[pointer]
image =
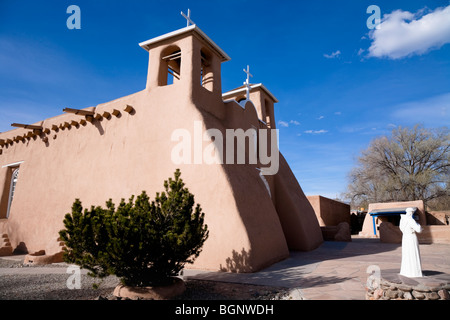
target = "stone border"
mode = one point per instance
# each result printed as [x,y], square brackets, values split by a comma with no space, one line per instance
[400,288]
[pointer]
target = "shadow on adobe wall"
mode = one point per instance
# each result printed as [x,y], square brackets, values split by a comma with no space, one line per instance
[238,262]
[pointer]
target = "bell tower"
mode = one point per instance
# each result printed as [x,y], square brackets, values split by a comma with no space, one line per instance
[185,59]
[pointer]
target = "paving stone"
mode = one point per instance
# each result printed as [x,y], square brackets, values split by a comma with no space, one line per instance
[422,288]
[339,272]
[408,281]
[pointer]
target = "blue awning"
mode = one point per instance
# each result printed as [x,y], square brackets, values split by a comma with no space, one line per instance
[387,212]
[390,211]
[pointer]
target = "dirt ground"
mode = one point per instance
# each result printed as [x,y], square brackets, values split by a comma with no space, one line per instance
[212,290]
[52,286]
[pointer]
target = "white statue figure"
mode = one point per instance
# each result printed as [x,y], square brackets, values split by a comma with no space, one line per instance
[411,264]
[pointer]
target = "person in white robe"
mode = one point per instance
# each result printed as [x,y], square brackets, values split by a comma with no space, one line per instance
[411,262]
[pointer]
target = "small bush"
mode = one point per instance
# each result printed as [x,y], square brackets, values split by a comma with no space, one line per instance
[142,242]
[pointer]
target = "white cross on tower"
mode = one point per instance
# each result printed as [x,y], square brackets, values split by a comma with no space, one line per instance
[247,82]
[188,17]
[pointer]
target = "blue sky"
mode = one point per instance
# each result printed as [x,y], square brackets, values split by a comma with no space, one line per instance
[339,84]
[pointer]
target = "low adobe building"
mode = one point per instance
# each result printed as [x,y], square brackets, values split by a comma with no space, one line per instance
[329,212]
[382,221]
[122,147]
[333,217]
[378,213]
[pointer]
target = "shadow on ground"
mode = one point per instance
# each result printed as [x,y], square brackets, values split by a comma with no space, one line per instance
[295,271]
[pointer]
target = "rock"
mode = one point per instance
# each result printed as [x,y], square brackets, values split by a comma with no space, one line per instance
[432,296]
[404,288]
[391,294]
[385,283]
[385,286]
[418,295]
[377,294]
[407,296]
[443,294]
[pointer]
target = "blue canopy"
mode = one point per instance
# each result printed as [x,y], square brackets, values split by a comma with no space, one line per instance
[387,212]
[390,211]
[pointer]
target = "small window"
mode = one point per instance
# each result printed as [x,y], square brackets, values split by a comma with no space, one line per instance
[12,188]
[206,74]
[171,64]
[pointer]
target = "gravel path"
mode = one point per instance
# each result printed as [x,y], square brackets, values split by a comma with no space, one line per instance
[16,284]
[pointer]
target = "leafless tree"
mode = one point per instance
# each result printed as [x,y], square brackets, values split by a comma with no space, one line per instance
[411,164]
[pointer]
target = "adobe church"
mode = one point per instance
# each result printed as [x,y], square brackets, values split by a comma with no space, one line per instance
[122,147]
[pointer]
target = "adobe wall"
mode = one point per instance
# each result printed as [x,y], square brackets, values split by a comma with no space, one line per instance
[299,222]
[435,234]
[430,234]
[117,156]
[438,217]
[296,216]
[329,212]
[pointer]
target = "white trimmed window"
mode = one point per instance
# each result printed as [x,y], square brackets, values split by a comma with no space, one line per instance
[7,196]
[12,188]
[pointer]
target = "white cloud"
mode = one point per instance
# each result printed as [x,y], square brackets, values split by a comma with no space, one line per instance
[338,113]
[295,122]
[332,55]
[320,118]
[316,131]
[403,33]
[283,123]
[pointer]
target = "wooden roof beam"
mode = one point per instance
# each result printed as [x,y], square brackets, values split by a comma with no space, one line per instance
[36,129]
[26,126]
[79,112]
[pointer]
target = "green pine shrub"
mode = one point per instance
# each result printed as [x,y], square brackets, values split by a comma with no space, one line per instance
[142,242]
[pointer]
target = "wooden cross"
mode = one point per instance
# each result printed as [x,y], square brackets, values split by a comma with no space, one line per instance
[247,82]
[188,17]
